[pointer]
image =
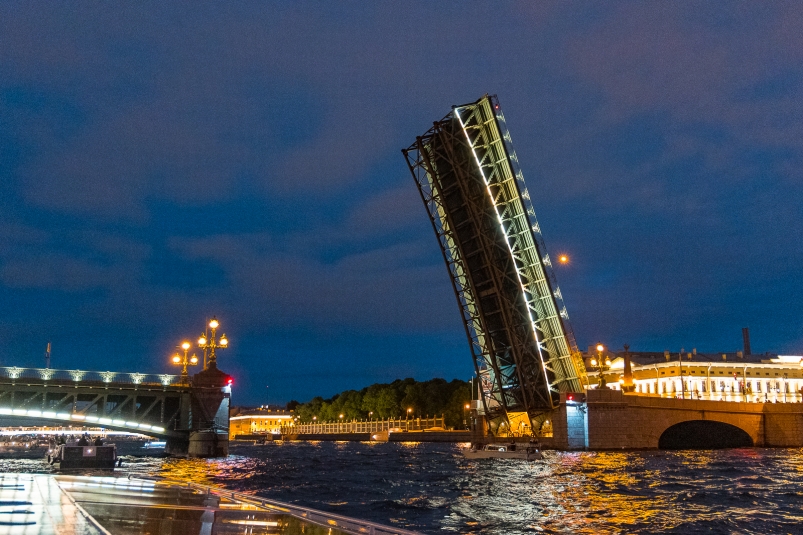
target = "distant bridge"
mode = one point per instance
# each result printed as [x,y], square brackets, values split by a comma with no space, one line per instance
[160,405]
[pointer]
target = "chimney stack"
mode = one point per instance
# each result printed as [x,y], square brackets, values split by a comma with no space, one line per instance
[746,339]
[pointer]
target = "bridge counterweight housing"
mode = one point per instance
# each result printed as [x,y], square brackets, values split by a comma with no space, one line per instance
[517,326]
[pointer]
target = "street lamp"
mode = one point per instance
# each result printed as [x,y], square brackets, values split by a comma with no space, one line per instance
[211,343]
[602,365]
[466,407]
[371,415]
[178,361]
[408,413]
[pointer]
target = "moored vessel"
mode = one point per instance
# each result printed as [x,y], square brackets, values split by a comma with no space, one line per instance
[77,457]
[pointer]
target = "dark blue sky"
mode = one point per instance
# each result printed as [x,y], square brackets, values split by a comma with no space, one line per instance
[163,163]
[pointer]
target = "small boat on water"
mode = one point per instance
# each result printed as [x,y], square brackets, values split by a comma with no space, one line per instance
[525,452]
[77,457]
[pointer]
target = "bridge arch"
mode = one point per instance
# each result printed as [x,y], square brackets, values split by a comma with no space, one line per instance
[704,434]
[65,418]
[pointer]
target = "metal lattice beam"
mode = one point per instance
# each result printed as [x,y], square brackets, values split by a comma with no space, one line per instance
[468,177]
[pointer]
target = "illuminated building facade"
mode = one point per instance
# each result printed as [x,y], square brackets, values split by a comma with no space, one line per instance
[774,379]
[259,422]
[517,326]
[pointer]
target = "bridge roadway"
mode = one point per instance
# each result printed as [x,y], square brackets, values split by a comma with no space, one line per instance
[158,405]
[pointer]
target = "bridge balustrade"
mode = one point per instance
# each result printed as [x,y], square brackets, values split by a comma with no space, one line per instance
[366,426]
[16,373]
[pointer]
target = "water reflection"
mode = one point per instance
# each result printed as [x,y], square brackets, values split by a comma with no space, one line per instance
[433,488]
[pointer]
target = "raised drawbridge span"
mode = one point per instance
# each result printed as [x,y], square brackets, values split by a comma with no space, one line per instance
[480,208]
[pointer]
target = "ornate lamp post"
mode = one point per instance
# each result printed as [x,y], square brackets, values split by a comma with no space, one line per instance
[602,365]
[210,342]
[177,360]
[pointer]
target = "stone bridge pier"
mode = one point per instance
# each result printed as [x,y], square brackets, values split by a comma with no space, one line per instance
[204,417]
[611,419]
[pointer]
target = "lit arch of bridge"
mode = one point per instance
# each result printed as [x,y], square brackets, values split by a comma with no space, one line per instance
[89,421]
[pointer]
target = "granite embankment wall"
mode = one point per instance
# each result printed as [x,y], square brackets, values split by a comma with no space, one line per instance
[404,436]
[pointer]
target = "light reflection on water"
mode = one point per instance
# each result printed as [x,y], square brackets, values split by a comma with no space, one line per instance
[432,488]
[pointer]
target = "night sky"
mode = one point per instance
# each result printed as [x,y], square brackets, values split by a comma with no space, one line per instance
[161,164]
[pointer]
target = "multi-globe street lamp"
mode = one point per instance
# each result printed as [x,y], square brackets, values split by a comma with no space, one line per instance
[178,361]
[210,342]
[602,365]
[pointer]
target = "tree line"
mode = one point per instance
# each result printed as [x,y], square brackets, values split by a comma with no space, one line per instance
[435,397]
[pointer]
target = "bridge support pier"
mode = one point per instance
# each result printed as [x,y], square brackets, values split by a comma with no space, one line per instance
[208,443]
[204,417]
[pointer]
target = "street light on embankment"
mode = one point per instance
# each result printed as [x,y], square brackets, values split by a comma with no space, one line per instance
[602,365]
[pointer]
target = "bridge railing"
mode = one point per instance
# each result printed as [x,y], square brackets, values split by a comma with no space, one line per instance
[15,373]
[366,426]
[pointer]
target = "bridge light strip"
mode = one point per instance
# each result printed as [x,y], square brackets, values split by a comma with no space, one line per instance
[512,255]
[79,417]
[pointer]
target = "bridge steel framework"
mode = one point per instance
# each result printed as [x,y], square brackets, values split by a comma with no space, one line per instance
[141,403]
[517,326]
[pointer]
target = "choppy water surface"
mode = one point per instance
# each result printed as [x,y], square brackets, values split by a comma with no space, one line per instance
[432,488]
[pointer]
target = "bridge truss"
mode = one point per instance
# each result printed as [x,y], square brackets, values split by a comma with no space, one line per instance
[128,402]
[517,326]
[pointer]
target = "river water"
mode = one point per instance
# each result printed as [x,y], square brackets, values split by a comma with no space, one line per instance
[431,488]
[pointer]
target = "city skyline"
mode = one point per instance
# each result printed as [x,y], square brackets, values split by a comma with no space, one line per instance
[162,165]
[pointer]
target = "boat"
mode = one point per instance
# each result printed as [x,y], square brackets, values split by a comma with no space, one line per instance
[77,457]
[511,450]
[155,445]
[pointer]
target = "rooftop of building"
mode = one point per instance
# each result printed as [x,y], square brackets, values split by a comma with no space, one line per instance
[263,410]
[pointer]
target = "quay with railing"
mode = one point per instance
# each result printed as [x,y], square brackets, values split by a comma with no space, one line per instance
[435,423]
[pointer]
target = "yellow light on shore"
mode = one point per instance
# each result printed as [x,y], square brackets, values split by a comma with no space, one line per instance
[593,362]
[202,341]
[214,324]
[563,259]
[185,346]
[600,347]
[193,360]
[176,359]
[224,341]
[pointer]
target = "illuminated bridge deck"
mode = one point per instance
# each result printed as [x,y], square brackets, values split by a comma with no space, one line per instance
[89,505]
